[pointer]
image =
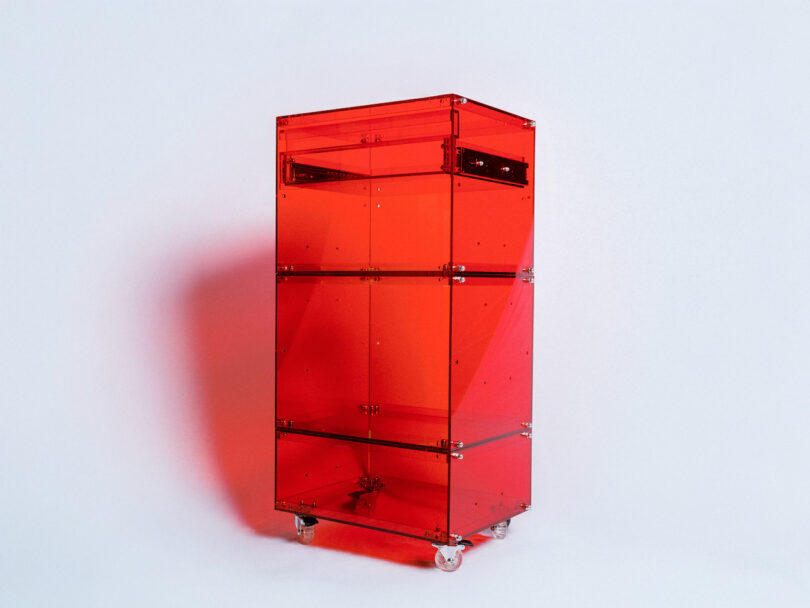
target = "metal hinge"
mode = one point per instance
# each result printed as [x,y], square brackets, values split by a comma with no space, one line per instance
[449,270]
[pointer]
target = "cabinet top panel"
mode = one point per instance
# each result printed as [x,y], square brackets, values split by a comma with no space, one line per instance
[393,108]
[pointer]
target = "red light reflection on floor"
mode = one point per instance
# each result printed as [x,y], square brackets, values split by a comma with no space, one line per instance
[230,316]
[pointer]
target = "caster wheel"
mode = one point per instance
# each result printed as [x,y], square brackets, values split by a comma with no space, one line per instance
[305,526]
[448,564]
[306,534]
[499,529]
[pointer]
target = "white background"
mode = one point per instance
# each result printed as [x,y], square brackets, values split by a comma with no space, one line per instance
[671,458]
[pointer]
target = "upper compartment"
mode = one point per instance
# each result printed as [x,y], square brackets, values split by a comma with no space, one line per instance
[415,185]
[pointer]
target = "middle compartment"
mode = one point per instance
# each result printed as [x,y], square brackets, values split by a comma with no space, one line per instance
[424,360]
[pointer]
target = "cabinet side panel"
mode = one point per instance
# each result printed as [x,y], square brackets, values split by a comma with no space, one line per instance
[491,368]
[493,191]
[490,484]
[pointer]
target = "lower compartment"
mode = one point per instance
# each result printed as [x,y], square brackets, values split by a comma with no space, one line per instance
[422,494]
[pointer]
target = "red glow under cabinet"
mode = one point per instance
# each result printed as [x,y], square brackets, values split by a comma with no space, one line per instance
[404,319]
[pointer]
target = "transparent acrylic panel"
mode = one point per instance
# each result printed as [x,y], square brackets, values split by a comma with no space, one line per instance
[324,226]
[490,484]
[327,165]
[493,190]
[393,489]
[410,223]
[398,120]
[322,353]
[322,201]
[491,364]
[410,342]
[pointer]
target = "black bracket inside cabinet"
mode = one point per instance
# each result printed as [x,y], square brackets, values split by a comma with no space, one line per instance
[482,165]
[300,173]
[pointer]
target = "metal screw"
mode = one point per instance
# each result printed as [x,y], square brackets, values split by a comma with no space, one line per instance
[527,425]
[526,507]
[459,279]
[462,100]
[457,455]
[527,435]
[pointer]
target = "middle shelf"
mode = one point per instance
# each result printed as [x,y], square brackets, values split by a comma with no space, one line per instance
[406,427]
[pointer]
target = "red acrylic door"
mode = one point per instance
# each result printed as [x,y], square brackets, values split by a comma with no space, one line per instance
[410,345]
[410,222]
[319,317]
[394,489]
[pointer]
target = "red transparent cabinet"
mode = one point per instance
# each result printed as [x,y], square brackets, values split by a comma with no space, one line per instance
[404,319]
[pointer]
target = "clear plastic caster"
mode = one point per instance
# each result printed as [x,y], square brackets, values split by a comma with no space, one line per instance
[448,557]
[448,564]
[305,526]
[499,530]
[306,535]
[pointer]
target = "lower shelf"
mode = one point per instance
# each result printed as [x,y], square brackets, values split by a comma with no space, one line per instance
[421,504]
